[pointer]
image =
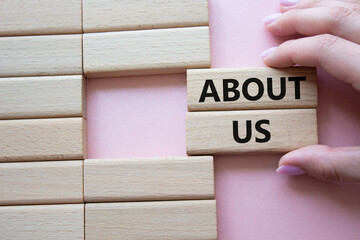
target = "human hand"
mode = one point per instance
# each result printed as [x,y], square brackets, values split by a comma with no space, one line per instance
[331,30]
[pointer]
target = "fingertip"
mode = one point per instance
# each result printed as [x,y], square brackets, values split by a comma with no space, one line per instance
[271,18]
[290,170]
[267,52]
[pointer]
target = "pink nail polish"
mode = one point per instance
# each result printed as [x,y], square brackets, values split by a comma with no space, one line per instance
[271,18]
[288,3]
[267,52]
[290,170]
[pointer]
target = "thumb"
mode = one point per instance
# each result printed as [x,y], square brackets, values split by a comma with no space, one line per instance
[325,163]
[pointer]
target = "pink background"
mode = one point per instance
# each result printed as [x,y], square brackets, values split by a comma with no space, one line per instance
[145,117]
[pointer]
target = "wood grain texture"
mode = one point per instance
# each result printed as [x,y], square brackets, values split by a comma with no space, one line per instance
[164,220]
[41,182]
[60,222]
[42,139]
[146,51]
[212,132]
[114,15]
[172,178]
[196,79]
[40,55]
[39,97]
[32,17]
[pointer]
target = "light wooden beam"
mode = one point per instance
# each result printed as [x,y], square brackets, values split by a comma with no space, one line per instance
[112,15]
[171,178]
[33,17]
[40,55]
[151,220]
[251,88]
[58,222]
[145,52]
[261,131]
[41,182]
[41,97]
[42,139]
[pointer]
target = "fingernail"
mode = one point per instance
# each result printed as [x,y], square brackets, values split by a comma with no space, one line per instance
[267,52]
[288,3]
[290,170]
[271,18]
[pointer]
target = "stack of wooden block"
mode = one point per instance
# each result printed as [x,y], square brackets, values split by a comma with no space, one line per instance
[42,126]
[249,110]
[45,48]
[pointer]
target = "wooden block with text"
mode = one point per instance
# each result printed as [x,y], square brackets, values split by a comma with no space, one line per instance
[171,178]
[112,15]
[33,17]
[40,55]
[251,88]
[163,220]
[40,97]
[232,132]
[143,52]
[41,182]
[58,222]
[42,139]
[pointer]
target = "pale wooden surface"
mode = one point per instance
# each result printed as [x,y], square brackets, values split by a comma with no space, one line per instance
[42,139]
[171,178]
[197,77]
[36,222]
[39,97]
[144,52]
[212,132]
[32,17]
[164,220]
[40,55]
[41,182]
[114,15]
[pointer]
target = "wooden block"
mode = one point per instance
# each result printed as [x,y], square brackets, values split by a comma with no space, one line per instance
[144,52]
[113,15]
[251,88]
[232,132]
[64,221]
[39,97]
[151,220]
[41,182]
[40,55]
[32,17]
[175,178]
[42,139]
